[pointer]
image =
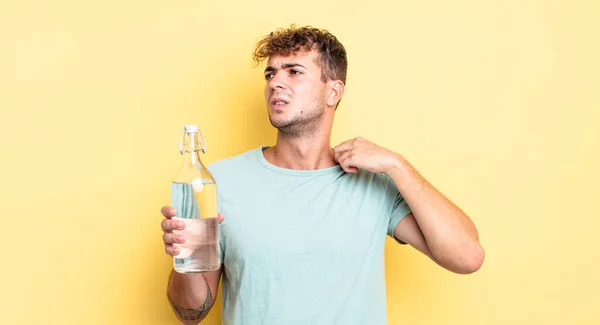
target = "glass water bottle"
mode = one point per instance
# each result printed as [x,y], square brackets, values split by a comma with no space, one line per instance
[194,196]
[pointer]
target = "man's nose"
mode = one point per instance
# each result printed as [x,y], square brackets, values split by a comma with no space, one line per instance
[277,82]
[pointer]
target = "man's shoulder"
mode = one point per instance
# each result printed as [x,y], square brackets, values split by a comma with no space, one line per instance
[233,162]
[370,179]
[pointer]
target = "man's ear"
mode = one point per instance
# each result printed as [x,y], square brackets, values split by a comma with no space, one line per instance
[336,90]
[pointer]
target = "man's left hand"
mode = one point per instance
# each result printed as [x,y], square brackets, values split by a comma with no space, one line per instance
[359,153]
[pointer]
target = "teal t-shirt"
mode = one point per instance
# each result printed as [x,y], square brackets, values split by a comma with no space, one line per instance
[303,246]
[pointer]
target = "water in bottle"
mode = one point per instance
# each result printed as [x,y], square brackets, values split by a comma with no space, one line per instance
[194,196]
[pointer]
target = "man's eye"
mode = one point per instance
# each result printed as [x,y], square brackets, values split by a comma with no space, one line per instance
[294,71]
[268,76]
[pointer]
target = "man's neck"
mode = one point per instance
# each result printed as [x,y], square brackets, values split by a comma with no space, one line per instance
[301,153]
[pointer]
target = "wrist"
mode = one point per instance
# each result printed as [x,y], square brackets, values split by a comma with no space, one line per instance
[396,166]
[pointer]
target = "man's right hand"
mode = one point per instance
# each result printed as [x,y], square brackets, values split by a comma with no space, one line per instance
[191,296]
[168,225]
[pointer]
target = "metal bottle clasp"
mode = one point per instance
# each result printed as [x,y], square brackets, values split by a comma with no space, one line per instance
[203,148]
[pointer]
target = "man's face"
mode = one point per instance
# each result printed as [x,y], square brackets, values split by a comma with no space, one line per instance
[294,93]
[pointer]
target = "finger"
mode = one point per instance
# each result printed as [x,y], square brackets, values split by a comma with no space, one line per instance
[171,250]
[170,238]
[338,153]
[351,169]
[348,168]
[169,225]
[168,211]
[220,217]
[347,162]
[345,156]
[164,226]
[347,145]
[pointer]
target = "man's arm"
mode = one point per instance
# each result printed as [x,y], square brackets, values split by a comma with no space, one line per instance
[436,226]
[192,295]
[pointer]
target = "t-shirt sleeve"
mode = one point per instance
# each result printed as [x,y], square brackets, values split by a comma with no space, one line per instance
[221,244]
[220,228]
[221,252]
[399,209]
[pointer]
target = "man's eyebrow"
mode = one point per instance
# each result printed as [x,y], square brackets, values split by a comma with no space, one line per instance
[285,66]
[291,65]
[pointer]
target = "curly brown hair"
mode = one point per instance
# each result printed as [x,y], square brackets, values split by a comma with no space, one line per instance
[288,41]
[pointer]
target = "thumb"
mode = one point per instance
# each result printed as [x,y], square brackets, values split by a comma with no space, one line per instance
[220,217]
[351,169]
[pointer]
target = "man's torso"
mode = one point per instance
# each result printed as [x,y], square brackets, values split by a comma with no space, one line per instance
[302,247]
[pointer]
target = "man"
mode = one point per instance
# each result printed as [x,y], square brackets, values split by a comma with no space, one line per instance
[303,224]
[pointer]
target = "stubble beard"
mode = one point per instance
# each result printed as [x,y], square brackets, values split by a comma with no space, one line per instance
[304,125]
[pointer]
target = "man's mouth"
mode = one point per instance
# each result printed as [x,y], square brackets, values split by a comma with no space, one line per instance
[279,102]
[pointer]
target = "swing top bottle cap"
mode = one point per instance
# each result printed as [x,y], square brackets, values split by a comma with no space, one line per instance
[191,128]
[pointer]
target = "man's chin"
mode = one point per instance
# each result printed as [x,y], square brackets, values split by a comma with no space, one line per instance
[281,126]
[279,123]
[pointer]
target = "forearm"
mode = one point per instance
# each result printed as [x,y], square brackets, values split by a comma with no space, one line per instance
[450,234]
[190,297]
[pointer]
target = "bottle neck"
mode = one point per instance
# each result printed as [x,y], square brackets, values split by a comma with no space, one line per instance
[191,149]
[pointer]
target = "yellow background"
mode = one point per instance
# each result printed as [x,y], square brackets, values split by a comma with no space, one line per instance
[496,102]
